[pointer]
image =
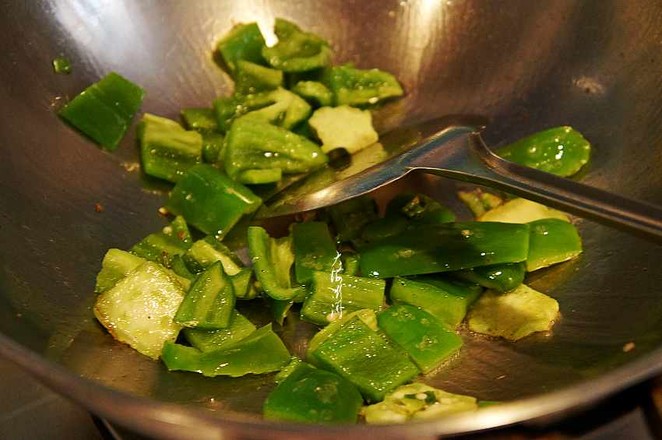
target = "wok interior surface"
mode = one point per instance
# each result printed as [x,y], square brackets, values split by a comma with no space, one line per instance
[525,65]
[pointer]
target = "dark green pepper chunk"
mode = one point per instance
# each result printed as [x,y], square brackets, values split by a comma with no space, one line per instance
[552,241]
[427,341]
[366,358]
[261,352]
[296,51]
[243,42]
[356,87]
[447,300]
[166,149]
[116,265]
[253,78]
[314,92]
[211,201]
[314,250]
[257,145]
[559,150]
[212,147]
[351,216]
[272,260]
[211,340]
[160,248]
[209,302]
[310,395]
[445,247]
[500,277]
[200,119]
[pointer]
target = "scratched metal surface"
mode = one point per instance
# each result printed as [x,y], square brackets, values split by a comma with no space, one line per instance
[524,65]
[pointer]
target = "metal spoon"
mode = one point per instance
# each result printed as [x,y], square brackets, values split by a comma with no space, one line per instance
[458,152]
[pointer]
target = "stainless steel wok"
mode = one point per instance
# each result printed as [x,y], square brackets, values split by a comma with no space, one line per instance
[595,65]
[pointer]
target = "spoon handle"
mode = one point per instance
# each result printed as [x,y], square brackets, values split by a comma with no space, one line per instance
[478,164]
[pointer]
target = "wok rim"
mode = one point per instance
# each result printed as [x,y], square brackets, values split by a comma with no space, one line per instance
[175,421]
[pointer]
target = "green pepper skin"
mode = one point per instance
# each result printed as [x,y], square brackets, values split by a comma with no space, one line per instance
[261,352]
[202,120]
[560,150]
[296,51]
[314,92]
[500,277]
[314,250]
[254,144]
[351,216]
[446,300]
[366,358]
[333,295]
[310,395]
[356,87]
[211,201]
[116,265]
[160,248]
[272,260]
[218,339]
[103,111]
[552,241]
[243,42]
[253,78]
[427,341]
[209,302]
[445,247]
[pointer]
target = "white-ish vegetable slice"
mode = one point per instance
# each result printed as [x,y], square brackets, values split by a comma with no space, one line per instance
[521,211]
[343,127]
[139,309]
[417,401]
[513,315]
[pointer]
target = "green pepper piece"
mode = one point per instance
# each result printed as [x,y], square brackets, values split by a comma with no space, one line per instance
[242,282]
[103,111]
[178,265]
[160,248]
[350,263]
[445,247]
[209,301]
[314,92]
[243,42]
[211,201]
[253,144]
[139,309]
[447,300]
[310,395]
[314,250]
[272,260]
[421,208]
[351,216]
[166,149]
[279,309]
[296,51]
[356,87]
[203,253]
[61,65]
[179,229]
[500,277]
[261,352]
[116,265]
[287,110]
[218,339]
[212,147]
[427,341]
[253,78]
[560,150]
[202,120]
[369,318]
[366,358]
[479,201]
[259,176]
[229,108]
[333,295]
[381,228]
[552,241]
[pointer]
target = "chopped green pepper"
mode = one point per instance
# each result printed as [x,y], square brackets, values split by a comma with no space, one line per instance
[243,42]
[314,92]
[356,87]
[314,250]
[349,217]
[179,230]
[333,295]
[479,201]
[104,110]
[260,352]
[166,149]
[253,78]
[366,358]
[209,302]
[116,265]
[211,340]
[311,395]
[272,260]
[203,253]
[160,248]
[500,277]
[287,109]
[200,119]
[552,241]
[255,145]
[447,300]
[212,147]
[445,247]
[559,150]
[427,341]
[296,51]
[61,65]
[211,201]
